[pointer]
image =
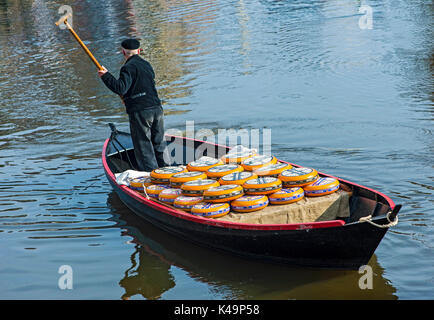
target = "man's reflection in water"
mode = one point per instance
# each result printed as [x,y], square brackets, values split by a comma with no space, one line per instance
[148,275]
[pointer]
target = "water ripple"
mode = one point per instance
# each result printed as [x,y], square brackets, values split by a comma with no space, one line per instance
[355,103]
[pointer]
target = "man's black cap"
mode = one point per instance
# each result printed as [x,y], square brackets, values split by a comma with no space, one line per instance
[130,44]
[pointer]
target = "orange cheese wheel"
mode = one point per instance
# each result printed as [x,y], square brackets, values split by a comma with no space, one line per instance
[223,193]
[186,203]
[204,164]
[139,182]
[257,162]
[197,187]
[169,195]
[321,187]
[262,185]
[249,203]
[154,189]
[237,178]
[211,210]
[272,170]
[220,171]
[238,156]
[178,179]
[285,196]
[298,177]
[162,175]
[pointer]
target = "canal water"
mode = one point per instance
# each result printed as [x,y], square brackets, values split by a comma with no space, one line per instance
[344,86]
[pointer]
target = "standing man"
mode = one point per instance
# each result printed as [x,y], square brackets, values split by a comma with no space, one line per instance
[136,87]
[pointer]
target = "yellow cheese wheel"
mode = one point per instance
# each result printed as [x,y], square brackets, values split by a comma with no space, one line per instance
[272,170]
[139,182]
[220,171]
[204,164]
[154,189]
[178,179]
[238,157]
[249,203]
[237,178]
[262,185]
[197,187]
[321,187]
[211,210]
[285,196]
[298,177]
[223,193]
[162,175]
[257,162]
[186,203]
[169,195]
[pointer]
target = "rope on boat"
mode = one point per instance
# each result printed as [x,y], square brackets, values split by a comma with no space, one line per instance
[144,190]
[388,225]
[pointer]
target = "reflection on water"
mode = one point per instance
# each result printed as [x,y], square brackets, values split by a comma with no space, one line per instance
[148,276]
[230,277]
[354,103]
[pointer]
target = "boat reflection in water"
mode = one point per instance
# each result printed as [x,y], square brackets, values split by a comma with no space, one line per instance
[160,258]
[149,274]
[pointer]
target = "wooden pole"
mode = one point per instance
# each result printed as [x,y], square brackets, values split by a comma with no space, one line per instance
[81,43]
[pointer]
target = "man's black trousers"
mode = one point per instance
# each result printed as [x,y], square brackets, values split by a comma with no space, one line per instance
[147,132]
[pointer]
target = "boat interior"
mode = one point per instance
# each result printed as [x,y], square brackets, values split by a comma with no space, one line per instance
[352,202]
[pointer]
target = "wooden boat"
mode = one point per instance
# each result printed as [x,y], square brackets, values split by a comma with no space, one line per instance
[340,244]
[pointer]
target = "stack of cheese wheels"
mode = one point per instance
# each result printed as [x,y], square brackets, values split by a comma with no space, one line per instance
[197,187]
[298,177]
[259,161]
[169,195]
[162,175]
[203,164]
[237,156]
[178,179]
[285,196]
[154,189]
[272,170]
[139,182]
[211,210]
[262,185]
[223,193]
[186,203]
[237,178]
[321,187]
[249,203]
[220,171]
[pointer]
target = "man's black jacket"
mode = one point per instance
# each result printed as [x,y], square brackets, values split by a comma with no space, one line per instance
[136,78]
